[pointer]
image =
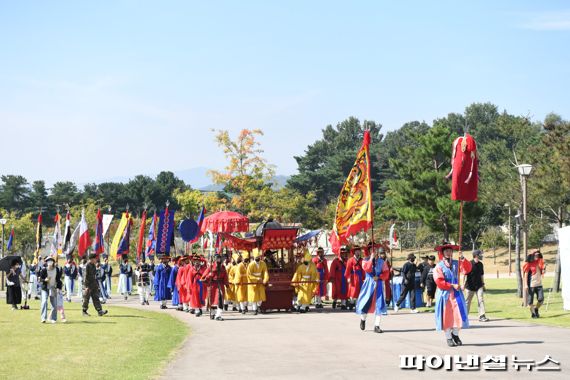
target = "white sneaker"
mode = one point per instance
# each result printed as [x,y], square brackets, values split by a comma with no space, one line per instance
[51,321]
[414,311]
[396,308]
[43,321]
[63,320]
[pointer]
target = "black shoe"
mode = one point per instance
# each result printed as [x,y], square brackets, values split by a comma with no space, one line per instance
[334,305]
[103,312]
[243,311]
[212,315]
[536,313]
[307,309]
[451,343]
[199,313]
[255,312]
[225,307]
[85,313]
[362,325]
[342,307]
[483,318]
[234,308]
[533,314]
[192,311]
[456,340]
[219,319]
[147,303]
[302,311]
[378,330]
[163,307]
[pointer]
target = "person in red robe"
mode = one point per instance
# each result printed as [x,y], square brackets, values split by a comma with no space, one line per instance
[354,276]
[387,285]
[197,289]
[338,280]
[323,271]
[216,278]
[181,283]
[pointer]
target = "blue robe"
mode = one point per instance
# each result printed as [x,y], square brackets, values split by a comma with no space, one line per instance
[442,296]
[372,292]
[172,286]
[161,277]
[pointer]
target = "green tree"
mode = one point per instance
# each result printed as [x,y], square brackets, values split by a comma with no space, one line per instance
[64,193]
[14,193]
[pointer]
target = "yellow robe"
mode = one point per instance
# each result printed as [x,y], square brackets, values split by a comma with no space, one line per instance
[305,291]
[240,277]
[258,274]
[231,288]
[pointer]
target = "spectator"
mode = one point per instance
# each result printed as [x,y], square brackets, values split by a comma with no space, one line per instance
[408,284]
[14,288]
[50,280]
[475,284]
[427,282]
[533,270]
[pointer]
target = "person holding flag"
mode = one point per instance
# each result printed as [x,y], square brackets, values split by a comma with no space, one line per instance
[371,298]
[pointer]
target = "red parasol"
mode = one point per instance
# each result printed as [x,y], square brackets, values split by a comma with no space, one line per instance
[225,221]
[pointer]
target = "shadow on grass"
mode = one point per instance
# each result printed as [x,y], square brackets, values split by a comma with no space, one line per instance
[505,343]
[502,291]
[127,316]
[89,322]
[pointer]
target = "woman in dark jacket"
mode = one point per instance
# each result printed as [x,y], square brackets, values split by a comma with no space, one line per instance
[13,287]
[50,280]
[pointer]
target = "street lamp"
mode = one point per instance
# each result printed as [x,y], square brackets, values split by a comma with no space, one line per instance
[510,234]
[524,172]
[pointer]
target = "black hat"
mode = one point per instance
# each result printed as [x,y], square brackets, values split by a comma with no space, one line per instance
[426,257]
[92,256]
[432,257]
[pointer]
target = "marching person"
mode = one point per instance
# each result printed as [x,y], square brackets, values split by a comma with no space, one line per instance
[216,278]
[450,308]
[108,269]
[323,270]
[258,277]
[100,276]
[14,279]
[305,281]
[409,283]
[161,276]
[533,270]
[387,284]
[354,276]
[231,296]
[35,268]
[50,280]
[474,284]
[180,283]
[70,275]
[240,281]
[338,279]
[91,287]
[80,276]
[172,284]
[125,271]
[371,298]
[427,282]
[143,283]
[197,291]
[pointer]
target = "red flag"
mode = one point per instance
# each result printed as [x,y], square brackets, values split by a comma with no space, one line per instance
[465,169]
[141,235]
[84,238]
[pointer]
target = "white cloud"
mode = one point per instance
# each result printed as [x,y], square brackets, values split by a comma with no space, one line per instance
[548,21]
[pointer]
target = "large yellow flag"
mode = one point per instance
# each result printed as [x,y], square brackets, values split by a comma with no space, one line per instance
[119,235]
[354,211]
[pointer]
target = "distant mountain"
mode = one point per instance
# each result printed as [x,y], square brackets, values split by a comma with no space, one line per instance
[198,178]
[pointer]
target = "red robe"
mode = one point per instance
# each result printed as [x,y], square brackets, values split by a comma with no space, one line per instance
[198,290]
[336,277]
[323,272]
[465,174]
[183,294]
[216,280]
[355,273]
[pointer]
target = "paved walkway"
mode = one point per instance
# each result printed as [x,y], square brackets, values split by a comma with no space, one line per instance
[329,345]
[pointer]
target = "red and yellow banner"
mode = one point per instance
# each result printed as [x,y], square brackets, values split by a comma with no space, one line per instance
[354,211]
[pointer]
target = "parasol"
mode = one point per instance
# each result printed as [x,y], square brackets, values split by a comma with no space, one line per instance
[7,262]
[225,221]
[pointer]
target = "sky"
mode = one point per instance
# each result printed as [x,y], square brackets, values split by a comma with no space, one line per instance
[96,90]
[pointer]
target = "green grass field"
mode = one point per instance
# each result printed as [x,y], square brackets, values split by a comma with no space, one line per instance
[125,344]
[501,302]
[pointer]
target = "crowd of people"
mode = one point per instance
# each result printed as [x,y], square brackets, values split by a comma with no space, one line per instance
[360,279]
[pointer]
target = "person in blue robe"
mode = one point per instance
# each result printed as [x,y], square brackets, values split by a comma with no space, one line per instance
[161,277]
[172,285]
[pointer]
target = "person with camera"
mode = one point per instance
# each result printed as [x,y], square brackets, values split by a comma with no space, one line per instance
[408,283]
[50,281]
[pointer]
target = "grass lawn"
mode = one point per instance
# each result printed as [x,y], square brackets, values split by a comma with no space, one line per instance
[125,344]
[501,301]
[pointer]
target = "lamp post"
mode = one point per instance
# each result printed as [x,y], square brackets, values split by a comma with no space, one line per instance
[510,233]
[3,222]
[524,172]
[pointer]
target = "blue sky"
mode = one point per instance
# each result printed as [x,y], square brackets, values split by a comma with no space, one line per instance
[117,88]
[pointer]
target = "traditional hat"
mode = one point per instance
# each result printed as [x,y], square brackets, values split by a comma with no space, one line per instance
[255,253]
[445,245]
[245,255]
[431,257]
[307,256]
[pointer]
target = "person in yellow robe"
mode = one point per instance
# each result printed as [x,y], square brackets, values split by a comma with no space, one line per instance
[258,277]
[239,281]
[306,273]
[231,288]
